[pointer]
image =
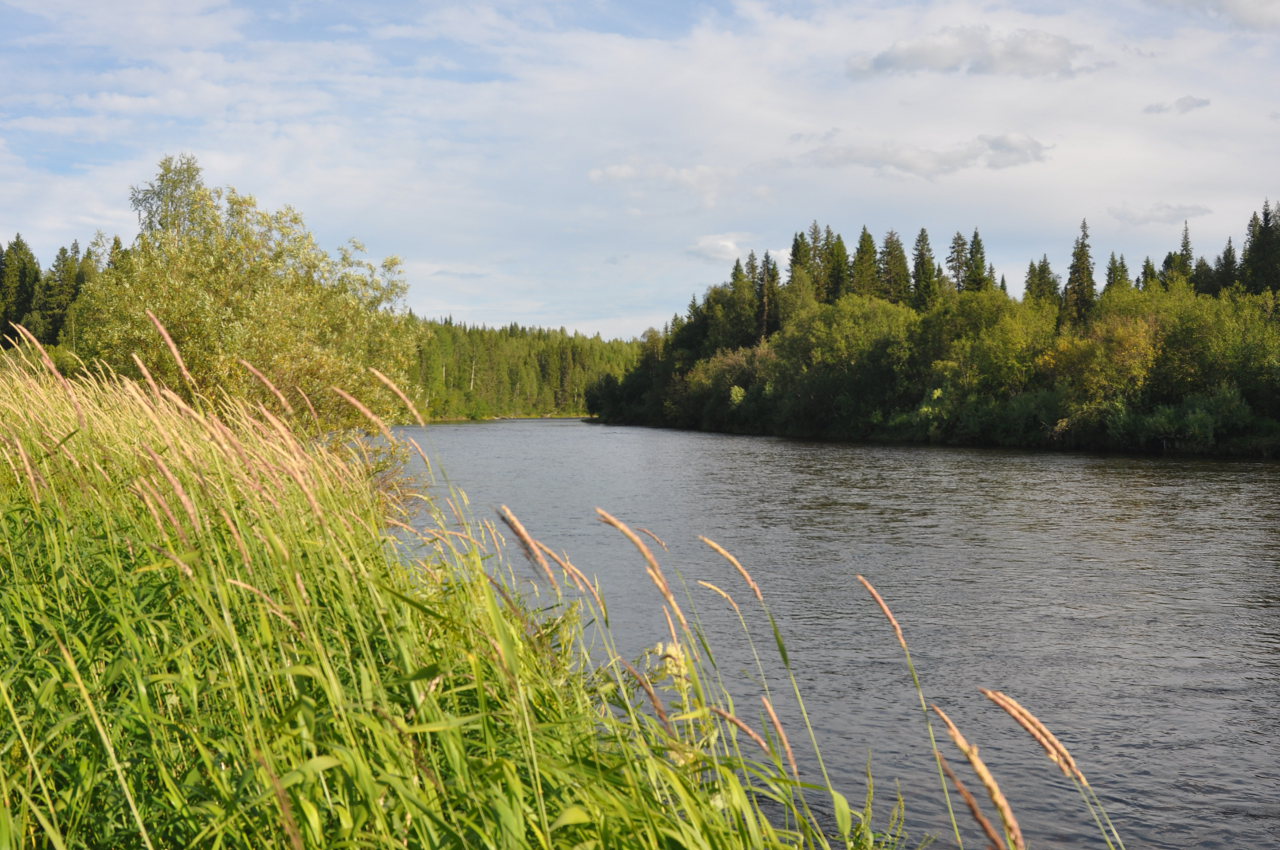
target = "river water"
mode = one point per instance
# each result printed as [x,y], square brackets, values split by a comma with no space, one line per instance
[1133,604]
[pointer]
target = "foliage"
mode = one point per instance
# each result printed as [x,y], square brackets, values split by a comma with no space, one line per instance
[207,638]
[1169,365]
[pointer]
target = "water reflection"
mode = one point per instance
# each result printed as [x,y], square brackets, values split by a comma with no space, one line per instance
[1130,602]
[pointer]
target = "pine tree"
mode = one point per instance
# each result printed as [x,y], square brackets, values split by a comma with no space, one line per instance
[1080,293]
[894,274]
[926,281]
[864,274]
[977,278]
[958,260]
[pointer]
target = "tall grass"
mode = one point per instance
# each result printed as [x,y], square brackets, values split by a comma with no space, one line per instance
[209,637]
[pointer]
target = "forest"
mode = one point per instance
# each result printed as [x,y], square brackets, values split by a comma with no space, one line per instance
[1183,356]
[259,311]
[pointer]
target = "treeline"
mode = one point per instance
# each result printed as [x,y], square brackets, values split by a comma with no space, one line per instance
[258,311]
[479,372]
[1181,356]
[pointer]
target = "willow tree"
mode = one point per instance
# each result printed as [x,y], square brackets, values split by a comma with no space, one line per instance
[232,283]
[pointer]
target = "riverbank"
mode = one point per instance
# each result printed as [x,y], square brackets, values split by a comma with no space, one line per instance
[208,637]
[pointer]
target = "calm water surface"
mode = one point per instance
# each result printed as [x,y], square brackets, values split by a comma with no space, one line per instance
[1133,604]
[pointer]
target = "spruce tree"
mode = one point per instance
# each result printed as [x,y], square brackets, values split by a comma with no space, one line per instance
[837,265]
[958,260]
[1260,261]
[1042,283]
[1080,293]
[977,277]
[1149,278]
[895,275]
[926,281]
[1117,274]
[801,257]
[768,287]
[864,273]
[1226,269]
[17,284]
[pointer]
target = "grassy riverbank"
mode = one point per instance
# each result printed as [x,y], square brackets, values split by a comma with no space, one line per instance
[208,638]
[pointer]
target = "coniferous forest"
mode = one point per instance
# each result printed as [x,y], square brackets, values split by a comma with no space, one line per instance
[246,294]
[1179,355]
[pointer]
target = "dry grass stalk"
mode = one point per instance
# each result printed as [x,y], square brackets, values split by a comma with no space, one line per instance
[531,550]
[897,629]
[583,583]
[655,571]
[272,606]
[1011,828]
[266,382]
[983,822]
[653,696]
[53,370]
[1054,748]
[391,385]
[709,586]
[366,413]
[737,565]
[737,721]
[173,349]
[656,539]
[782,735]
[176,485]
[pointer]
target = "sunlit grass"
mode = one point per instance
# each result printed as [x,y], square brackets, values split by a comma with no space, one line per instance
[209,637]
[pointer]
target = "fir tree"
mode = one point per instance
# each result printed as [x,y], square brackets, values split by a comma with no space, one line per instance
[926,277]
[958,260]
[1226,269]
[894,274]
[977,277]
[1042,283]
[1117,274]
[864,273]
[1260,261]
[1080,293]
[18,283]
[1149,278]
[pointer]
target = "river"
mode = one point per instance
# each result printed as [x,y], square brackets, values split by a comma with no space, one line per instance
[1133,604]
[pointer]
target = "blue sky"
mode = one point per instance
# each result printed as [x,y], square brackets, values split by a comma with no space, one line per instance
[594,163]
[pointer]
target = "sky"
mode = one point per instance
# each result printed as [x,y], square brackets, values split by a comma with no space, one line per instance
[594,164]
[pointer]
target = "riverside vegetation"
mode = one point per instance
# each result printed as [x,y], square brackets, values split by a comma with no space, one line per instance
[217,631]
[218,628]
[1181,357]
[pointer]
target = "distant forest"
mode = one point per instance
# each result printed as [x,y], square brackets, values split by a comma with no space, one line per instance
[880,345]
[258,310]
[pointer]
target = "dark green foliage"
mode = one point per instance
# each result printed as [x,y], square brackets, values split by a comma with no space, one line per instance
[977,274]
[1080,292]
[894,275]
[1260,262]
[926,275]
[958,260]
[1163,366]
[1117,274]
[475,372]
[865,272]
[19,277]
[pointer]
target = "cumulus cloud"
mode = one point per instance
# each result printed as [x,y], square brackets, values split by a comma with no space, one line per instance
[721,247]
[1182,105]
[1250,14]
[1004,151]
[703,180]
[1161,213]
[976,50]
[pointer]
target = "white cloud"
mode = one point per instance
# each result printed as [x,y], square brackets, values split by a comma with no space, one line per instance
[1182,105]
[976,50]
[1160,213]
[1239,13]
[1004,151]
[703,180]
[721,247]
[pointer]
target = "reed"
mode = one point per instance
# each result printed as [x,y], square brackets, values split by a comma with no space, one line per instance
[210,636]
